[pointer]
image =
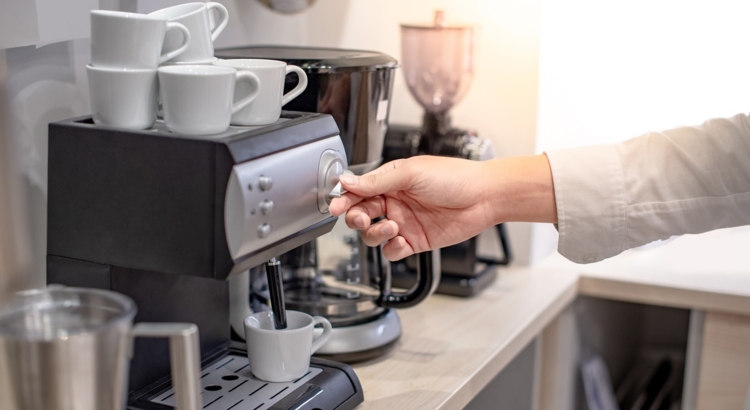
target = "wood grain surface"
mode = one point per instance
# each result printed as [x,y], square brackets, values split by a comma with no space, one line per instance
[724,381]
[451,347]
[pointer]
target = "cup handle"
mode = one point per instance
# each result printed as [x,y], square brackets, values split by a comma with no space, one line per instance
[184,359]
[185,42]
[301,85]
[223,18]
[319,341]
[254,83]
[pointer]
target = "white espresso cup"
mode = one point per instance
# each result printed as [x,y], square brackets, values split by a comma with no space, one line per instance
[123,97]
[266,109]
[197,99]
[283,355]
[130,40]
[195,17]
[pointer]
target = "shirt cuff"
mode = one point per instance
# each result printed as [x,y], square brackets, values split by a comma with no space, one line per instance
[591,205]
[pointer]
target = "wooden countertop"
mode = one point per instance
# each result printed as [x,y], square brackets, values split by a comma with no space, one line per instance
[452,347]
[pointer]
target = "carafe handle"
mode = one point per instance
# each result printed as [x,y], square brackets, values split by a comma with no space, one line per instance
[428,277]
[184,358]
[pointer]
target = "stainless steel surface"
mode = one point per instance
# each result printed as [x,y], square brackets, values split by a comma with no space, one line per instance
[65,350]
[294,192]
[365,336]
[184,358]
[69,349]
[228,383]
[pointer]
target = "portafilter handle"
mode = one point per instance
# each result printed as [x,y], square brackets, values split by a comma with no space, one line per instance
[428,277]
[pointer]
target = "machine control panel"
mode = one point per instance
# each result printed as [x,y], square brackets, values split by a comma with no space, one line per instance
[266,206]
[265,183]
[292,195]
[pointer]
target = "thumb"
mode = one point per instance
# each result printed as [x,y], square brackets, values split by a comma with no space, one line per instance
[377,183]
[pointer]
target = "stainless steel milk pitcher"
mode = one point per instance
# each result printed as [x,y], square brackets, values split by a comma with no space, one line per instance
[69,349]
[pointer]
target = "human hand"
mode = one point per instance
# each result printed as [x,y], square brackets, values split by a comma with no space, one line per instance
[428,202]
[432,202]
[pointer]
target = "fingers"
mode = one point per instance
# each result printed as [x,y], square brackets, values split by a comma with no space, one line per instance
[360,215]
[342,204]
[383,180]
[398,248]
[380,232]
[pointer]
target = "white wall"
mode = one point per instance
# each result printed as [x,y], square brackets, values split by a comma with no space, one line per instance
[49,83]
[612,70]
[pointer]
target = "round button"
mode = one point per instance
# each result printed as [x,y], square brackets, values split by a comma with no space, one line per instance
[266,206]
[264,230]
[265,183]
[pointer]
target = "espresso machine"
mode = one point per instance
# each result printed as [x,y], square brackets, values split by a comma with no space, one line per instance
[438,64]
[169,220]
[337,276]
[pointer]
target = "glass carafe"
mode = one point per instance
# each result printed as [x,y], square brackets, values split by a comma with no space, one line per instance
[339,277]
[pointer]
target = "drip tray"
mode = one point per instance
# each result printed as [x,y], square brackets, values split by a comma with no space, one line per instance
[229,384]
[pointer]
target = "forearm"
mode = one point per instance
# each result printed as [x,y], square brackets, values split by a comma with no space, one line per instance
[523,190]
[687,180]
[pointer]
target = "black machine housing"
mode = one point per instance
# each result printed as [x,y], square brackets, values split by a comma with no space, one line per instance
[142,213]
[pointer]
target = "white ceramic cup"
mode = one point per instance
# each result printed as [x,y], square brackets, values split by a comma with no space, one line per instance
[283,355]
[197,99]
[130,40]
[266,109]
[195,17]
[123,97]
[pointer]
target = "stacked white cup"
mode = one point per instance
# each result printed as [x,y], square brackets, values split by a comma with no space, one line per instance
[126,50]
[197,97]
[170,52]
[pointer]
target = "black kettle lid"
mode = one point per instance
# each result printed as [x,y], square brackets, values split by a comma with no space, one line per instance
[315,60]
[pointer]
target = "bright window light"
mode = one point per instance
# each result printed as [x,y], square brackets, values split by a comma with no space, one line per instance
[614,70]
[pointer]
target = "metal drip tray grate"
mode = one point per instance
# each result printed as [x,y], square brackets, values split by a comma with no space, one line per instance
[229,384]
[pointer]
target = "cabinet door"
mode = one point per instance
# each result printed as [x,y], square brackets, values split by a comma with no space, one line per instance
[725,362]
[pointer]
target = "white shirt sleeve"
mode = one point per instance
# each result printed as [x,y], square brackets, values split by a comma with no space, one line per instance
[687,180]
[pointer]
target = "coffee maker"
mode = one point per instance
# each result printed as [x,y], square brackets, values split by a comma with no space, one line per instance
[438,64]
[337,276]
[169,219]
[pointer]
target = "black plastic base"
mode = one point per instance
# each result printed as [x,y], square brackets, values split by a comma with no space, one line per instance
[337,387]
[453,285]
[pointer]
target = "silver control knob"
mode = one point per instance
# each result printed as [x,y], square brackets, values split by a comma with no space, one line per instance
[266,207]
[332,165]
[265,183]
[264,230]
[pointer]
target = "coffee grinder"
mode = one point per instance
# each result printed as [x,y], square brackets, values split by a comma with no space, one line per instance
[438,64]
[170,219]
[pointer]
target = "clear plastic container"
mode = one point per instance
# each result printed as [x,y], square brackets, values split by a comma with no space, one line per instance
[438,62]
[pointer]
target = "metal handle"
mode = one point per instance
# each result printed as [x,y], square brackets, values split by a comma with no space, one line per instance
[184,359]
[428,277]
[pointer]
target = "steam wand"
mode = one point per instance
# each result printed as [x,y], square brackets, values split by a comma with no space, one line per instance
[276,293]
